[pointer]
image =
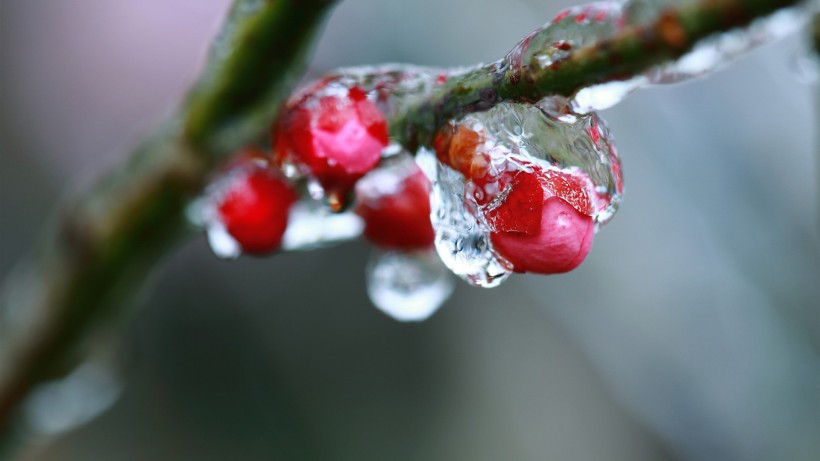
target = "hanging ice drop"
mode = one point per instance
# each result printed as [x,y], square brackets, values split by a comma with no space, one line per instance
[462,244]
[408,286]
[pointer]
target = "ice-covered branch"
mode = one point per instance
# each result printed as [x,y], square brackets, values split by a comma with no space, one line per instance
[102,244]
[529,72]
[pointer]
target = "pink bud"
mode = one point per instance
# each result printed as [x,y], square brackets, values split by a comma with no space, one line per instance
[253,204]
[558,238]
[337,138]
[561,245]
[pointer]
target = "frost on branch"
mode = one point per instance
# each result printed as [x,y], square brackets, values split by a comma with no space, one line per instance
[509,184]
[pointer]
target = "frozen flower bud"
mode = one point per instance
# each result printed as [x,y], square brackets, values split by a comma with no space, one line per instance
[334,134]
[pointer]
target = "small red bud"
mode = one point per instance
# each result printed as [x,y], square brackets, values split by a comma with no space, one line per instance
[335,138]
[400,219]
[253,206]
[542,225]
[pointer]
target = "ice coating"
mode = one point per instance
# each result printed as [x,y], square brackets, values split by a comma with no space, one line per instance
[334,130]
[392,86]
[203,213]
[408,286]
[574,28]
[560,135]
[519,133]
[715,52]
[571,29]
[332,134]
[497,171]
[605,95]
[312,225]
[461,242]
[221,242]
[559,244]
[244,209]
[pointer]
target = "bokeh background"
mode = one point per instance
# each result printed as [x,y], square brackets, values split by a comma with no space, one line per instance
[690,333]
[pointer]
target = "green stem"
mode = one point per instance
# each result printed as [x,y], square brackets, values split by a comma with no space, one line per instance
[254,64]
[627,53]
[101,246]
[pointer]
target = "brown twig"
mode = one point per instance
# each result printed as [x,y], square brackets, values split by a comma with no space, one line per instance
[102,244]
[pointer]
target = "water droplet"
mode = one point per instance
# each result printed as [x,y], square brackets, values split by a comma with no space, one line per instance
[408,286]
[392,150]
[222,243]
[202,213]
[312,225]
[604,95]
[387,178]
[62,404]
[462,244]
[315,189]
[290,170]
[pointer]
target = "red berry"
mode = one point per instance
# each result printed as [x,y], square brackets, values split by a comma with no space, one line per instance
[400,219]
[254,206]
[543,225]
[336,138]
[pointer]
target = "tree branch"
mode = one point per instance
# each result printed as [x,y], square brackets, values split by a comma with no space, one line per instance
[628,53]
[102,245]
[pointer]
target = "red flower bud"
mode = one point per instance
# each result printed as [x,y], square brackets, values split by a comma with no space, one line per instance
[543,224]
[396,217]
[336,138]
[253,205]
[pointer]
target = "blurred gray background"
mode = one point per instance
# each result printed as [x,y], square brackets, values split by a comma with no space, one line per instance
[690,333]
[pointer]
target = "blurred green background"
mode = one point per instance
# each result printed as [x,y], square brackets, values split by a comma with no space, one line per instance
[690,333]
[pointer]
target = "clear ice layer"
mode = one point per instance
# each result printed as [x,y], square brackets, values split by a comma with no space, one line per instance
[574,28]
[392,86]
[390,90]
[571,29]
[312,225]
[581,144]
[408,286]
[715,52]
[505,139]
[203,214]
[462,243]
